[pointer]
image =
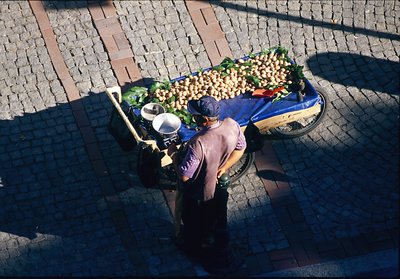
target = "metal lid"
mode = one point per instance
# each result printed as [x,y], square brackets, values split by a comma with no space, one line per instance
[151,110]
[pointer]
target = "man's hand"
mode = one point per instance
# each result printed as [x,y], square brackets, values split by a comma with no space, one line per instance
[171,149]
[233,158]
[220,172]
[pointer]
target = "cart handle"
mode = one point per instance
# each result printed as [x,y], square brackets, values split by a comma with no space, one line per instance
[165,159]
[117,90]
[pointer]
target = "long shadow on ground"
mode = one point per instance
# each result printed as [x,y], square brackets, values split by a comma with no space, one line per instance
[364,72]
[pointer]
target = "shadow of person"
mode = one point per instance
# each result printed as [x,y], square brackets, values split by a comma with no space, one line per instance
[274,175]
[349,69]
[47,181]
[61,5]
[53,205]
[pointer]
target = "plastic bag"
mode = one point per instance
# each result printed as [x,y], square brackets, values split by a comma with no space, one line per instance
[119,130]
[254,138]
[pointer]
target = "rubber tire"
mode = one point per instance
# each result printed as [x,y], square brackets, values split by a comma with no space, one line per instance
[309,127]
[241,167]
[236,171]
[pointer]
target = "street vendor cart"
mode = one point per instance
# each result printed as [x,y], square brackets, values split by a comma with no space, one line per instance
[288,108]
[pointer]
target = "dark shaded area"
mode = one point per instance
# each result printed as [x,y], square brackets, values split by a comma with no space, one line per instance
[349,69]
[47,181]
[46,173]
[311,22]
[50,194]
[59,5]
[392,272]
[274,175]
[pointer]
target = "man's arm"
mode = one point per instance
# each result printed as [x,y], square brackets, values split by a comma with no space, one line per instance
[185,168]
[175,161]
[236,154]
[233,158]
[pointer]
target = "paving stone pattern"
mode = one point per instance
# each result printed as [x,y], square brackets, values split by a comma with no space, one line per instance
[28,81]
[341,174]
[88,63]
[54,218]
[148,214]
[81,47]
[245,208]
[53,221]
[253,226]
[164,40]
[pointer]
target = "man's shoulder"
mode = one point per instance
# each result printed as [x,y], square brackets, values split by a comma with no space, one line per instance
[195,144]
[230,121]
[194,141]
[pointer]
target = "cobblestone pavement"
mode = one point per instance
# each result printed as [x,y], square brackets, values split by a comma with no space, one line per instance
[55,220]
[358,65]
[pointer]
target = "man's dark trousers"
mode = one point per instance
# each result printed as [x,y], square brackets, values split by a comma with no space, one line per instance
[202,219]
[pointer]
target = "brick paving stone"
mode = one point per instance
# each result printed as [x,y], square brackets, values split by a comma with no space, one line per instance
[36,198]
[100,118]
[226,14]
[175,20]
[80,48]
[350,145]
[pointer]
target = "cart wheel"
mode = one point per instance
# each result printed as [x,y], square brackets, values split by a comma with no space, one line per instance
[303,126]
[241,167]
[168,177]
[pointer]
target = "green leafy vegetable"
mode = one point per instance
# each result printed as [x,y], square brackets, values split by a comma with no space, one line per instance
[265,51]
[218,68]
[252,55]
[227,63]
[281,50]
[247,64]
[254,80]
[185,116]
[296,72]
[166,84]
[135,96]
[155,100]
[280,95]
[171,100]
[156,85]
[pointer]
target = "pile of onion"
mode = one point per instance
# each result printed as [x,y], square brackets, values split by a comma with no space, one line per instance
[271,70]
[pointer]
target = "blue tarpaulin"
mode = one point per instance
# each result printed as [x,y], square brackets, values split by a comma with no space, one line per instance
[244,108]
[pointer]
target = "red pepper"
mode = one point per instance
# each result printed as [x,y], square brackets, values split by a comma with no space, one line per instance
[266,92]
[276,90]
[258,92]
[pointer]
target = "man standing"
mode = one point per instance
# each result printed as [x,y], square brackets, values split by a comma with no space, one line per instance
[209,155]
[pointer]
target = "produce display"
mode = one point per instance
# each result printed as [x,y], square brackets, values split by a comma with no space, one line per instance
[269,73]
